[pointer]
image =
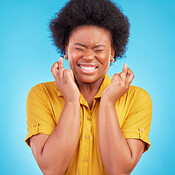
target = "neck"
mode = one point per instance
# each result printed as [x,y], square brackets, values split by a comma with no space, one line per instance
[89,89]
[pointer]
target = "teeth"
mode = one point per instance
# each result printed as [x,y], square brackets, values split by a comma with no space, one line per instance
[87,68]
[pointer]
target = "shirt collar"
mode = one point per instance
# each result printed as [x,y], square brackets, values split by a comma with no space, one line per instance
[105,83]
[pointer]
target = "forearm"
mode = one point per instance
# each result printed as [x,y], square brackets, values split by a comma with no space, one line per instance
[114,150]
[61,144]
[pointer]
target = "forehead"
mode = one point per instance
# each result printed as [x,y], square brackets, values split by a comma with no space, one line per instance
[90,35]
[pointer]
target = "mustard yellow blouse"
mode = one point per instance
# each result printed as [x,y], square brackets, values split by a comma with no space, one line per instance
[45,104]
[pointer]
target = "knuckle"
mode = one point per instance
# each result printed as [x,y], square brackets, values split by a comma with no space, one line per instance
[122,84]
[126,88]
[117,83]
[58,74]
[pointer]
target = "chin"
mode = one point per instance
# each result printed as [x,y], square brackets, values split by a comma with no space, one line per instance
[87,78]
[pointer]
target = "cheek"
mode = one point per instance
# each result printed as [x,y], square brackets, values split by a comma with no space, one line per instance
[105,57]
[71,63]
[105,60]
[107,65]
[72,59]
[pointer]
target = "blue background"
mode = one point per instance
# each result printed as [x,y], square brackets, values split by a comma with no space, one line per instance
[27,54]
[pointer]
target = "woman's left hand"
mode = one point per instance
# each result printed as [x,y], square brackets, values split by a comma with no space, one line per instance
[119,85]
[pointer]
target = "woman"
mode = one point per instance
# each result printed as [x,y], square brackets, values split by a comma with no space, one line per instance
[84,122]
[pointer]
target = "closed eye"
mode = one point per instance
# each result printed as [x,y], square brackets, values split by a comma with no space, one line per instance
[98,50]
[78,49]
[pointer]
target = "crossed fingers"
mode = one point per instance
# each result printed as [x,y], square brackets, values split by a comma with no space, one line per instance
[59,72]
[127,74]
[125,77]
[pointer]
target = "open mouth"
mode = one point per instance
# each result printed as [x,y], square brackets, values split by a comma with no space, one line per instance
[87,68]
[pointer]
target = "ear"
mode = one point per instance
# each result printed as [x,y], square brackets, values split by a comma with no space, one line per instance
[66,48]
[112,51]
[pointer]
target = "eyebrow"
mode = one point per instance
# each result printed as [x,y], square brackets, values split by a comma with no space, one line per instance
[80,44]
[100,45]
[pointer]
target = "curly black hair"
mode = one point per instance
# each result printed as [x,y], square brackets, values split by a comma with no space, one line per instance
[101,13]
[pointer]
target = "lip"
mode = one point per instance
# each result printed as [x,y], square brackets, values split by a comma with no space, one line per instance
[87,65]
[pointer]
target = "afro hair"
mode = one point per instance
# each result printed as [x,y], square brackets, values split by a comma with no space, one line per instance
[101,13]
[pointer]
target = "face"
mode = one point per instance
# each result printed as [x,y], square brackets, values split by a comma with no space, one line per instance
[89,53]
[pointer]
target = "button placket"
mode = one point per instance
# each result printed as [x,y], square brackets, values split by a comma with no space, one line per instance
[85,160]
[89,118]
[87,137]
[86,140]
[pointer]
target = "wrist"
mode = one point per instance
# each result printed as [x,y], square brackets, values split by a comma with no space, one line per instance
[75,102]
[107,102]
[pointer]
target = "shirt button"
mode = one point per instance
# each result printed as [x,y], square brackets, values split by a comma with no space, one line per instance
[89,118]
[142,130]
[86,137]
[85,160]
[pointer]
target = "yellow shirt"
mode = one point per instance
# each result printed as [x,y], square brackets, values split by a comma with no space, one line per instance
[45,104]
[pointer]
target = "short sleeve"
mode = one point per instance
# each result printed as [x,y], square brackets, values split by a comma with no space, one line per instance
[138,122]
[39,116]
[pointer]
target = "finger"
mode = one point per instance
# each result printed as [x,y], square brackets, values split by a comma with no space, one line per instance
[60,69]
[125,68]
[129,72]
[67,76]
[115,77]
[123,75]
[71,74]
[130,76]
[54,68]
[60,63]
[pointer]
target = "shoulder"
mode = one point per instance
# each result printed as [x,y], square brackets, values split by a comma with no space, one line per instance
[139,94]
[135,100]
[43,88]
[138,99]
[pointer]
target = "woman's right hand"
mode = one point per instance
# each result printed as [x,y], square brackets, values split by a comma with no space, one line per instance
[64,80]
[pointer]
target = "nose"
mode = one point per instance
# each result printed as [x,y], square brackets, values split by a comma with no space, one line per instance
[88,55]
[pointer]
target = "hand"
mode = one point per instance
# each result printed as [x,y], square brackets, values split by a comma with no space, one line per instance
[64,80]
[119,85]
